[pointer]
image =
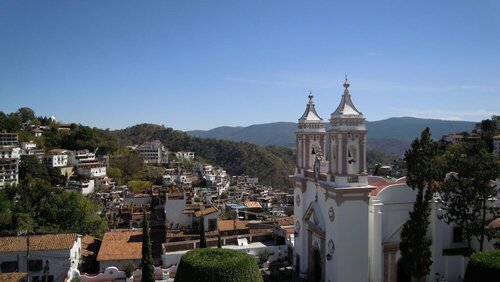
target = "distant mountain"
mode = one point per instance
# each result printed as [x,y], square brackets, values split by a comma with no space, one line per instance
[268,134]
[409,128]
[392,135]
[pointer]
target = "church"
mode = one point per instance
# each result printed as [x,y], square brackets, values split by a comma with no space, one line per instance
[347,223]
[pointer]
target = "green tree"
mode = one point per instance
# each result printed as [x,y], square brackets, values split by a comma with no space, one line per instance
[26,114]
[423,172]
[147,255]
[219,240]
[30,168]
[203,239]
[128,162]
[471,170]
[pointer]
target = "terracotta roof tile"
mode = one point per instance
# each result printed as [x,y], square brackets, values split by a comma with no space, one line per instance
[379,186]
[284,221]
[206,211]
[37,242]
[13,277]
[120,245]
[252,205]
[230,225]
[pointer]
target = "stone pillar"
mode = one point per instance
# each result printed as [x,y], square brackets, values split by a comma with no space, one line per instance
[344,154]
[307,153]
[375,243]
[362,154]
[299,152]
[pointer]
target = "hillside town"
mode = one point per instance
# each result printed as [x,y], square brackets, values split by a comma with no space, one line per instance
[236,210]
[301,236]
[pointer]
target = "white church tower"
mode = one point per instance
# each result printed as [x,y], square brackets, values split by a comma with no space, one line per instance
[331,195]
[310,136]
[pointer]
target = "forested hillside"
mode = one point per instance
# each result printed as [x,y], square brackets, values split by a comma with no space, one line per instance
[271,164]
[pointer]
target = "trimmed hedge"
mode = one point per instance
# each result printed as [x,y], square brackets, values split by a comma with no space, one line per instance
[217,265]
[483,266]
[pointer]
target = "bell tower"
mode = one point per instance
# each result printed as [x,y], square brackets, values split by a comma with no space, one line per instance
[310,137]
[347,140]
[331,196]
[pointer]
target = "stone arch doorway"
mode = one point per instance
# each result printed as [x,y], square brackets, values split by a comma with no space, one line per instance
[316,271]
[401,274]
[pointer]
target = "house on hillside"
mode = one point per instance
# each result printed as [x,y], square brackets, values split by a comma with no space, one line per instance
[48,255]
[120,248]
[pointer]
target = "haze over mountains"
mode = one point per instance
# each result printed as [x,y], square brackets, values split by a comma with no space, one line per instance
[392,135]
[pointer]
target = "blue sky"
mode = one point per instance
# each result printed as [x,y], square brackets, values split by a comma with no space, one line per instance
[202,64]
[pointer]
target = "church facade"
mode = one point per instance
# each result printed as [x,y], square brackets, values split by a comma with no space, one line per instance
[347,223]
[332,195]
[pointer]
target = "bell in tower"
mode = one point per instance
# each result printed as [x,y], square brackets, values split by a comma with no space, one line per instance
[347,139]
[310,137]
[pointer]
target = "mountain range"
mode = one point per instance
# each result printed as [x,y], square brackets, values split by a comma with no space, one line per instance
[393,135]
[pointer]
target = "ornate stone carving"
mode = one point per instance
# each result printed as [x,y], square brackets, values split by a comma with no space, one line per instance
[331,214]
[331,247]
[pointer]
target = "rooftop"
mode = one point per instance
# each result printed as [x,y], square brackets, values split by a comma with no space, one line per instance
[37,242]
[120,245]
[230,225]
[205,212]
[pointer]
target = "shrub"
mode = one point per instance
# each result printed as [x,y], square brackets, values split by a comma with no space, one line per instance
[129,270]
[483,266]
[217,265]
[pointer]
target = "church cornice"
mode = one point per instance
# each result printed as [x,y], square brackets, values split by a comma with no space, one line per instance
[340,195]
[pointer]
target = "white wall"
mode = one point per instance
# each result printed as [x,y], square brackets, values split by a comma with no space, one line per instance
[173,212]
[59,260]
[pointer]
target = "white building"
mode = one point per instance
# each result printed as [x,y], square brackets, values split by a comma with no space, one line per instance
[9,165]
[185,155]
[175,203]
[496,146]
[8,139]
[347,225]
[153,152]
[55,160]
[28,146]
[91,169]
[76,157]
[54,253]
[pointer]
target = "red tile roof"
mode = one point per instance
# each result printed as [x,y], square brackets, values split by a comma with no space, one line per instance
[121,245]
[230,225]
[37,242]
[284,221]
[13,277]
[381,185]
[252,205]
[205,212]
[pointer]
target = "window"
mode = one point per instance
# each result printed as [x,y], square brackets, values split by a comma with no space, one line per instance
[36,265]
[458,235]
[9,266]
[212,224]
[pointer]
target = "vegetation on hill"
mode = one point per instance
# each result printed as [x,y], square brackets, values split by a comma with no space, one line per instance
[217,265]
[272,165]
[36,206]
